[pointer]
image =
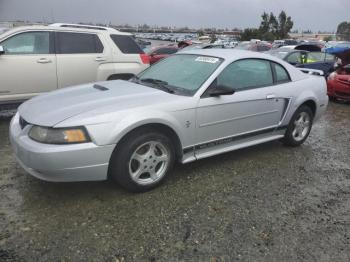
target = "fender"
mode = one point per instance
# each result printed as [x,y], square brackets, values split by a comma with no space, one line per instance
[131,122]
[122,125]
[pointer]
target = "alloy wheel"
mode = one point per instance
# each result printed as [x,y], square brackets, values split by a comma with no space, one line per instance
[302,126]
[149,163]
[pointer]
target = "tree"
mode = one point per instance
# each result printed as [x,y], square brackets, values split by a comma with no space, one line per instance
[265,23]
[285,25]
[250,33]
[328,38]
[273,23]
[270,27]
[343,31]
[200,33]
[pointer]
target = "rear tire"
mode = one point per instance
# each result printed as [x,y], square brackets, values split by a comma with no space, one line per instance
[142,160]
[299,127]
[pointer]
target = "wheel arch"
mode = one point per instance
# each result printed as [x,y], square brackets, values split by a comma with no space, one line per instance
[158,127]
[311,104]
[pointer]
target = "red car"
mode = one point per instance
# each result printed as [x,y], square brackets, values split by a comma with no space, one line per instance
[338,82]
[160,52]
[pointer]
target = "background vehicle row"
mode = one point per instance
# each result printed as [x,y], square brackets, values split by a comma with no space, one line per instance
[38,59]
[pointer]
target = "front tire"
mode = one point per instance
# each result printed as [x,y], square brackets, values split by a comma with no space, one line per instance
[299,127]
[142,160]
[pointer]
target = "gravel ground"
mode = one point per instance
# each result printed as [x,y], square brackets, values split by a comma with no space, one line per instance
[264,203]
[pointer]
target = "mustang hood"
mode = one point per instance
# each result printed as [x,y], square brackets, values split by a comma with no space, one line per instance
[51,108]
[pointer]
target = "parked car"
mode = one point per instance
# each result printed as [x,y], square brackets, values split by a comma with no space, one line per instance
[304,59]
[257,46]
[142,43]
[160,52]
[201,46]
[310,47]
[338,82]
[37,59]
[187,107]
[285,42]
[3,29]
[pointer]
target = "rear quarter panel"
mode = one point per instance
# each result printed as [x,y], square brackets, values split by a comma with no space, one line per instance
[311,88]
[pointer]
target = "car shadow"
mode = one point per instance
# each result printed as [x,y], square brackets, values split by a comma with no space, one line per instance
[64,191]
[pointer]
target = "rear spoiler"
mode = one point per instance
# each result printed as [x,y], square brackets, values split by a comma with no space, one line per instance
[314,72]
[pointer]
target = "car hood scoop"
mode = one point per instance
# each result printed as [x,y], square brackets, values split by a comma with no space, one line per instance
[52,108]
[99,87]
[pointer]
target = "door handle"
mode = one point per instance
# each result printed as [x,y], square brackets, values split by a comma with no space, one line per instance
[44,61]
[100,58]
[270,96]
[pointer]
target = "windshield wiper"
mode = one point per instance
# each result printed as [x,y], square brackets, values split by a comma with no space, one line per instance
[159,83]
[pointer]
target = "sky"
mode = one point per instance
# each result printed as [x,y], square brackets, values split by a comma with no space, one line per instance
[307,14]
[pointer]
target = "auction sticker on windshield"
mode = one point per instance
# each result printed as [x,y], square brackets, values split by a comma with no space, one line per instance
[204,59]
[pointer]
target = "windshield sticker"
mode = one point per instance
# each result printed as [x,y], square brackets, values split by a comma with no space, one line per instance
[204,59]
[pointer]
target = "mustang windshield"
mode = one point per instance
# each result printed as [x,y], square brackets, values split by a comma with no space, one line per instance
[180,74]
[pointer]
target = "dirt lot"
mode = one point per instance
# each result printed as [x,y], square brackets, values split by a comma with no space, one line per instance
[265,203]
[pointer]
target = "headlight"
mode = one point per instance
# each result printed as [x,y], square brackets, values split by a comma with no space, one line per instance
[49,135]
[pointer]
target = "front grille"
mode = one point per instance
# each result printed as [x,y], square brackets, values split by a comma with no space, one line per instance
[22,122]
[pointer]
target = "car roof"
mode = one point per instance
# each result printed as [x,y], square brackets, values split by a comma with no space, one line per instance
[231,55]
[66,27]
[228,54]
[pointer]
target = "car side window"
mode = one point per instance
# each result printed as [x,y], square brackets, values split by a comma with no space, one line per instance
[77,43]
[28,43]
[281,74]
[315,57]
[246,74]
[294,58]
[126,44]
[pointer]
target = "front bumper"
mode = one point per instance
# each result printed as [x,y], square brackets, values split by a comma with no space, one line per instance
[59,163]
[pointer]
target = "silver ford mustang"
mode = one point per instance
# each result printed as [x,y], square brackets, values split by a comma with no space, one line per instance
[189,106]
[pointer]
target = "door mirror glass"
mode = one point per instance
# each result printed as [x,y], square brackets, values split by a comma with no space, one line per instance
[2,50]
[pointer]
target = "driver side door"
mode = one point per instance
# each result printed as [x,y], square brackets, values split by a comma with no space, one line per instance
[252,111]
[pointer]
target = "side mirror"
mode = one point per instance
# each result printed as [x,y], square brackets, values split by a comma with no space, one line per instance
[221,90]
[2,50]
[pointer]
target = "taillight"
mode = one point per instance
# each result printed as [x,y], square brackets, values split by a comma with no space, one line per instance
[144,58]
